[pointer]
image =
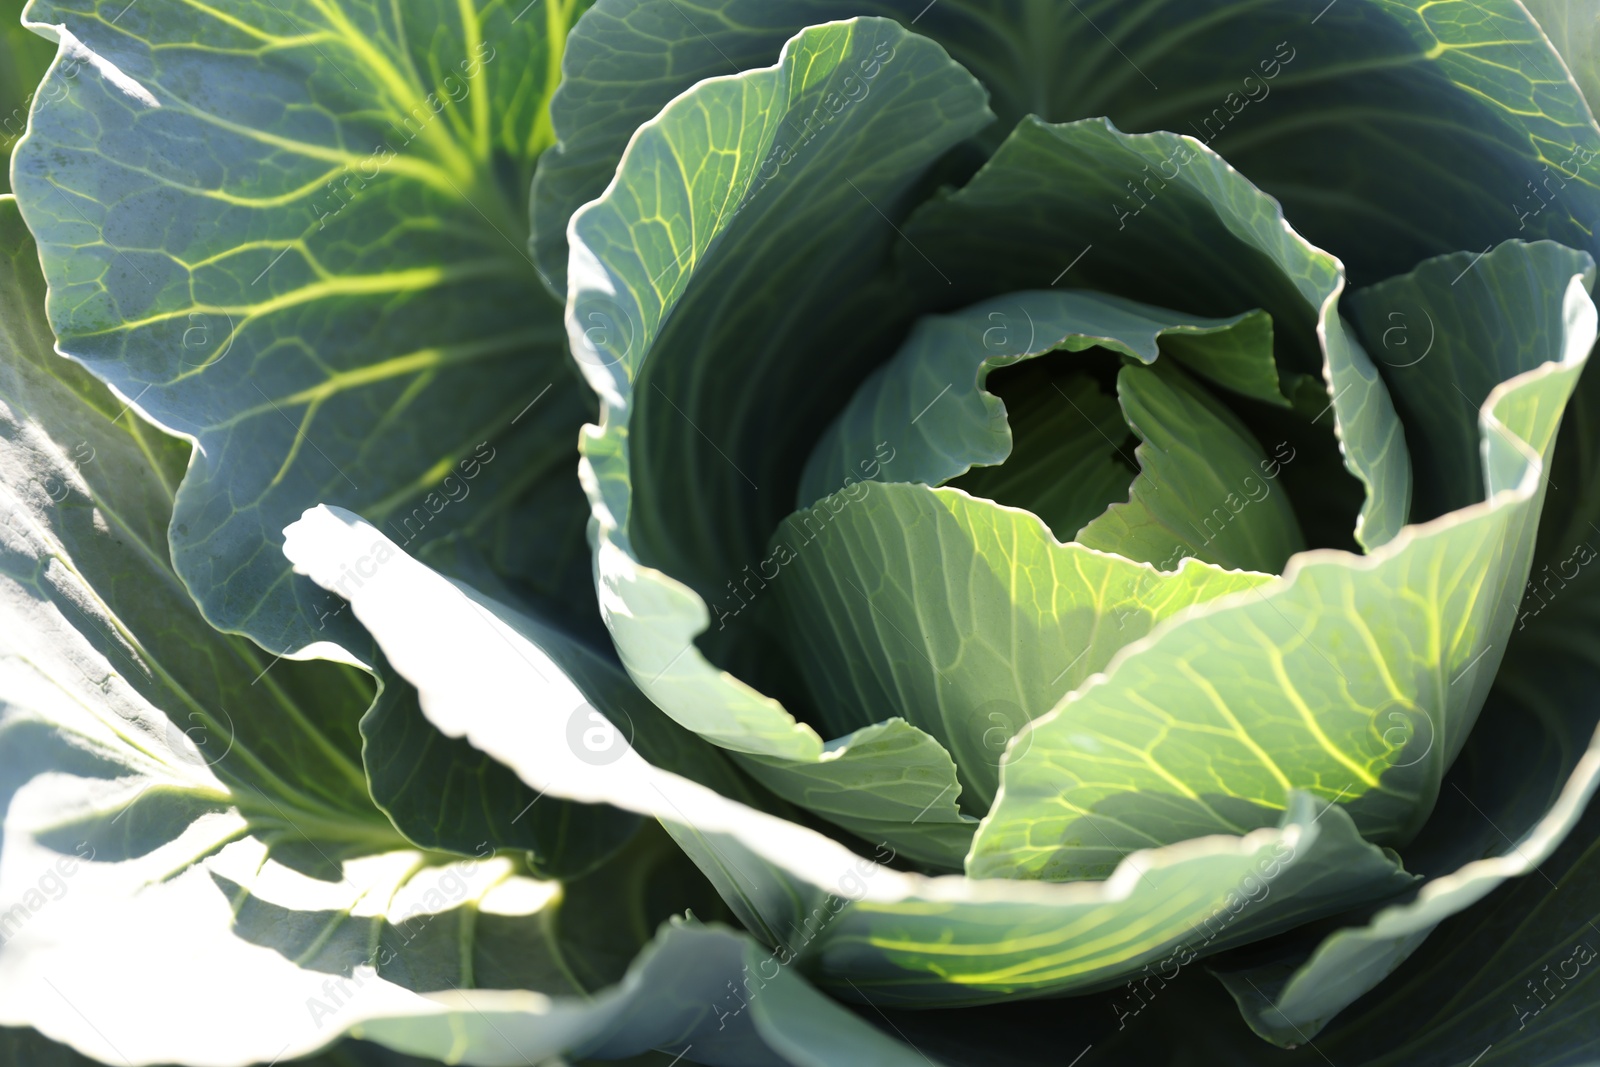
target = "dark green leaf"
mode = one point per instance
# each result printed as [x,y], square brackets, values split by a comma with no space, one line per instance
[294,234]
[1390,130]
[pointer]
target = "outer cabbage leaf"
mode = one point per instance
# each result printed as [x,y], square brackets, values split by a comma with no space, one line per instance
[660,266]
[1289,1005]
[1446,334]
[187,830]
[340,255]
[89,488]
[35,1050]
[1506,982]
[294,235]
[1573,27]
[442,794]
[857,927]
[1452,124]
[1357,678]
[1290,1000]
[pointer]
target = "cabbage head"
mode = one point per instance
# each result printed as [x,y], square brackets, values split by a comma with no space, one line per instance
[800,532]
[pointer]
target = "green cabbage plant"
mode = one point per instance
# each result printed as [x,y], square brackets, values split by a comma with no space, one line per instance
[813,532]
